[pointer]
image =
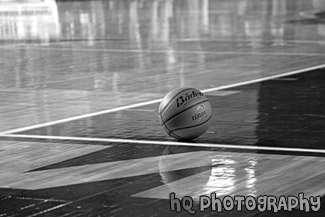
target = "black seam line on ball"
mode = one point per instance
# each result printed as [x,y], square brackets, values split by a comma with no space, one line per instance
[191,126]
[170,132]
[206,100]
[170,101]
[175,135]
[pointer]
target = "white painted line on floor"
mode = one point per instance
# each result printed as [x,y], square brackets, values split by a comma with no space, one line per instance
[174,143]
[157,101]
[265,78]
[223,93]
[80,117]
[141,110]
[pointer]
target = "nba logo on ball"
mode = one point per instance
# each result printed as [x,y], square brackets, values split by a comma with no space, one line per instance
[185,113]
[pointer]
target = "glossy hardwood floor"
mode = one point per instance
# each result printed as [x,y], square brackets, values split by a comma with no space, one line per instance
[97,55]
[81,82]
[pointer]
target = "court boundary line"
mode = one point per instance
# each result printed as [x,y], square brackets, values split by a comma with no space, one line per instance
[31,127]
[173,143]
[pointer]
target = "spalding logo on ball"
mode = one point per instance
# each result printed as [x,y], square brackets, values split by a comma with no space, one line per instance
[185,113]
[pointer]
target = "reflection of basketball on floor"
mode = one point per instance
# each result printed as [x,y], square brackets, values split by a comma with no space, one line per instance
[182,173]
[185,113]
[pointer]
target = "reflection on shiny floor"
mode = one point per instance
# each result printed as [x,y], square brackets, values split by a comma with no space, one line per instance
[225,173]
[75,75]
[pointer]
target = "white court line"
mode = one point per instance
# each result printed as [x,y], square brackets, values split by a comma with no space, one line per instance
[264,79]
[158,100]
[166,51]
[81,117]
[174,143]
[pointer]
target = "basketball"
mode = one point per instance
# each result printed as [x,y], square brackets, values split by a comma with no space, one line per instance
[185,113]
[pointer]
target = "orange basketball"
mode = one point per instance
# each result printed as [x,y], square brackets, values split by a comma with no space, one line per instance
[185,113]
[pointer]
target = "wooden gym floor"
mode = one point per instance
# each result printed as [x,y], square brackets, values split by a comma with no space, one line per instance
[81,82]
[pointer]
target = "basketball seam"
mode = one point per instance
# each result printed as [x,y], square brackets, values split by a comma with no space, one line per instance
[191,126]
[206,100]
[178,137]
[170,101]
[170,132]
